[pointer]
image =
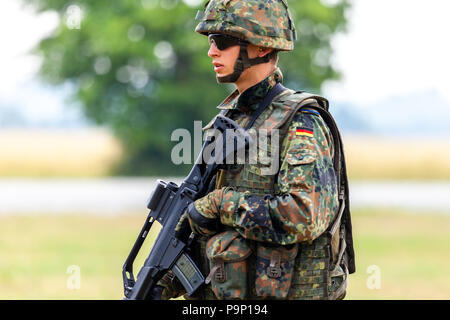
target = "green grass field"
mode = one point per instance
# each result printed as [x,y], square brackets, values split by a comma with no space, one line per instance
[411,252]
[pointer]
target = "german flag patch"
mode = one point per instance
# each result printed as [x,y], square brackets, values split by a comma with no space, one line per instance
[304,132]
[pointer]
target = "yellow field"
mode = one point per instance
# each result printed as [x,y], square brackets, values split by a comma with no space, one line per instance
[50,153]
[371,157]
[409,251]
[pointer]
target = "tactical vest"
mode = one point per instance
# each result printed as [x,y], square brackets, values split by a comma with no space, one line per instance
[321,266]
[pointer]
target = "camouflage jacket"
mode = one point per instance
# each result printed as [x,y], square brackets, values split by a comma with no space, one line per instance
[271,220]
[304,201]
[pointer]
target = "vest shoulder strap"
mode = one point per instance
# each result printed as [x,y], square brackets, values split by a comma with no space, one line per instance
[298,96]
[301,100]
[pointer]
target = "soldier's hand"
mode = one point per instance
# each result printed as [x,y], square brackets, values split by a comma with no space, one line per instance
[183,229]
[200,223]
[204,215]
[193,221]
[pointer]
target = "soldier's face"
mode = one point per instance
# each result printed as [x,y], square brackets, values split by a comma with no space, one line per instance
[223,60]
[224,50]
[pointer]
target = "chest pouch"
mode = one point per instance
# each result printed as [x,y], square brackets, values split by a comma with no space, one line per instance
[274,269]
[227,253]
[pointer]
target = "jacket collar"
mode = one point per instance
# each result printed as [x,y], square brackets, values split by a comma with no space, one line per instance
[249,100]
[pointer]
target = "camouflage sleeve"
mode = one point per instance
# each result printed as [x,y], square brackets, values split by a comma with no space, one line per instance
[172,286]
[307,199]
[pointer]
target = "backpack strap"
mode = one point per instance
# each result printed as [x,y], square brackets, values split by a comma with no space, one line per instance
[275,91]
[303,100]
[342,178]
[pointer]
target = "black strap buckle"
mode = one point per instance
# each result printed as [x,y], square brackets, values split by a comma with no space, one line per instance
[274,269]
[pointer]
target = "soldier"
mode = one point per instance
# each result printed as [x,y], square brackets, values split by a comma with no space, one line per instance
[286,234]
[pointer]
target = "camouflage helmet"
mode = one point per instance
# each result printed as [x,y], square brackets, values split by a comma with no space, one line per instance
[260,22]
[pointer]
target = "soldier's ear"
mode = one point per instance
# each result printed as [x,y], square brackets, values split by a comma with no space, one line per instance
[264,51]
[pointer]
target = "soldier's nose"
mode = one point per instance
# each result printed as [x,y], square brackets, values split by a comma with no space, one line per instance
[213,51]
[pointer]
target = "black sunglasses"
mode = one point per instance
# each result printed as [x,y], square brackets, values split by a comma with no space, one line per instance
[223,41]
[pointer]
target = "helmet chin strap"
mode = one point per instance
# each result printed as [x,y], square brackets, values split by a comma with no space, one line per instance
[242,62]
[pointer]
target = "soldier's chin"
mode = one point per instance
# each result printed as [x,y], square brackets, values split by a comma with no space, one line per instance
[222,78]
[229,78]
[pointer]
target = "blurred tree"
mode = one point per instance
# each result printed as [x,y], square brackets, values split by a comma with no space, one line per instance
[140,69]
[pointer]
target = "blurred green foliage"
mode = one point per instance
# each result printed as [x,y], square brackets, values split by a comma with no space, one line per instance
[138,67]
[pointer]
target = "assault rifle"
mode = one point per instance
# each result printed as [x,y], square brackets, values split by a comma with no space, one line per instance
[167,204]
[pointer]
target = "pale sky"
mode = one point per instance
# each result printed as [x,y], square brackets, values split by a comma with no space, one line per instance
[393,47]
[20,30]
